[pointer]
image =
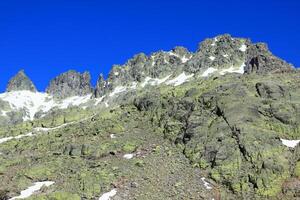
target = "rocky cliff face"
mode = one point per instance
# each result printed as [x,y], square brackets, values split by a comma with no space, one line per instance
[69,84]
[20,82]
[219,55]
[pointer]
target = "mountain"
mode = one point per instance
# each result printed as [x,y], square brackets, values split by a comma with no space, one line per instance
[218,123]
[20,82]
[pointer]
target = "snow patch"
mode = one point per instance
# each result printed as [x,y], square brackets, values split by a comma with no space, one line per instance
[206,184]
[212,58]
[179,79]
[184,59]
[74,101]
[108,195]
[37,129]
[154,81]
[113,136]
[209,71]
[99,100]
[117,90]
[225,56]
[33,102]
[290,143]
[32,189]
[128,156]
[243,48]
[232,69]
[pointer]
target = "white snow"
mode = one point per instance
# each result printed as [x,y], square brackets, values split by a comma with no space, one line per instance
[215,40]
[128,156]
[184,59]
[37,129]
[106,104]
[232,69]
[108,195]
[4,113]
[206,184]
[32,189]
[210,70]
[154,81]
[99,100]
[113,136]
[290,143]
[225,56]
[172,54]
[33,102]
[116,73]
[133,85]
[243,48]
[74,101]
[212,58]
[117,90]
[179,79]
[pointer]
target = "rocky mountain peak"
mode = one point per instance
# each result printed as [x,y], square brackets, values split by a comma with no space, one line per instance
[70,83]
[20,82]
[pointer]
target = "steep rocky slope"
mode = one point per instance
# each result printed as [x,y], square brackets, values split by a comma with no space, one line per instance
[220,123]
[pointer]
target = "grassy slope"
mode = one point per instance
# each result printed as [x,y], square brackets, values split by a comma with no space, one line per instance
[84,161]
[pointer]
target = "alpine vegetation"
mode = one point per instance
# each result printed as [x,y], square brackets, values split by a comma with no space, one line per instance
[219,123]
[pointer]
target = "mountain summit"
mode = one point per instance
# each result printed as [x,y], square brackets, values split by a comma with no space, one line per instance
[20,82]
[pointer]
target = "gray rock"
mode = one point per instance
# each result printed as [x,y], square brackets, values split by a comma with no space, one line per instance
[69,84]
[261,60]
[20,82]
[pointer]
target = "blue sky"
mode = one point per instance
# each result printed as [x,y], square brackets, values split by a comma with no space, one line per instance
[47,37]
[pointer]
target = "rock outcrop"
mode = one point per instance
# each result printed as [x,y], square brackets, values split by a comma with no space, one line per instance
[223,54]
[69,84]
[20,82]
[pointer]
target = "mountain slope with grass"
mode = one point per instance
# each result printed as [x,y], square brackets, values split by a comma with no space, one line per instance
[218,123]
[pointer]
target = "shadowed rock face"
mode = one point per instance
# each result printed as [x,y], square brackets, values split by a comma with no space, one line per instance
[69,84]
[261,60]
[20,82]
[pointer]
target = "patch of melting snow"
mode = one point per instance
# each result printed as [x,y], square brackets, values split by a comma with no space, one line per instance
[179,79]
[243,48]
[290,143]
[106,104]
[133,85]
[113,136]
[232,69]
[74,101]
[30,134]
[99,100]
[154,81]
[212,58]
[32,189]
[225,56]
[128,156]
[108,195]
[33,102]
[118,90]
[184,59]
[209,71]
[206,184]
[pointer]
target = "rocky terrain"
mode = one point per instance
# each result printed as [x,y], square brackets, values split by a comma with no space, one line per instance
[219,123]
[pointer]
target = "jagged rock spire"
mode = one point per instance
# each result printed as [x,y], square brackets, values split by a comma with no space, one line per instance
[70,83]
[20,82]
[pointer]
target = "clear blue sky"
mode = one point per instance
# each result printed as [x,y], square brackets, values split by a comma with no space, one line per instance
[48,37]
